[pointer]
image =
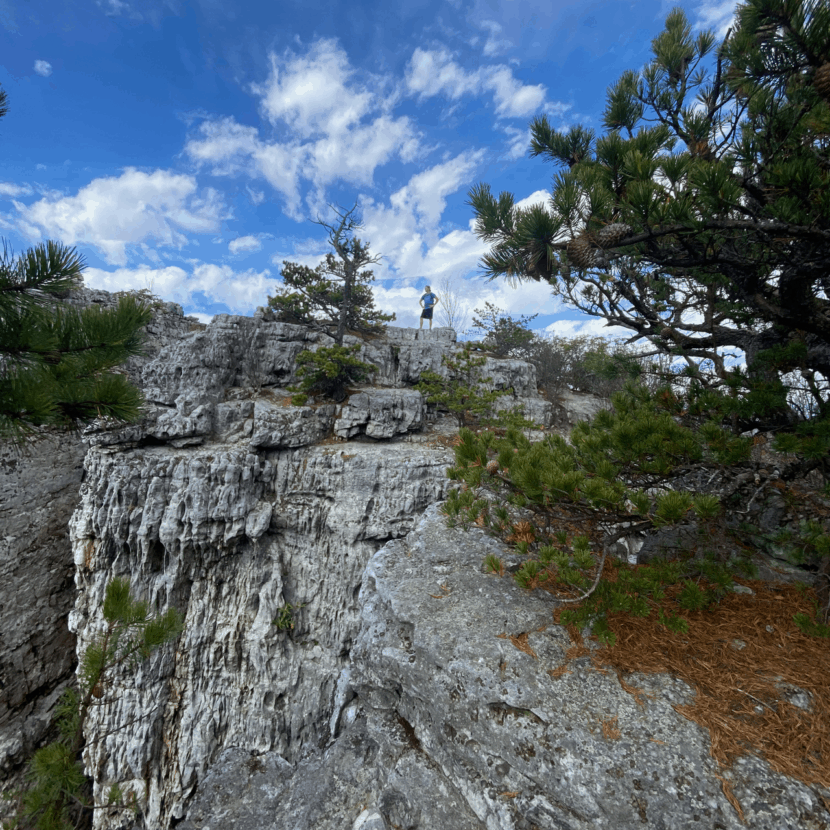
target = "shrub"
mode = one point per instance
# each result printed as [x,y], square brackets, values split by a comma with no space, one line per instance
[329,370]
[464,391]
[503,336]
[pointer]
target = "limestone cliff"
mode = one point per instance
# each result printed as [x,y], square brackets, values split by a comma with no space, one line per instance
[39,486]
[391,694]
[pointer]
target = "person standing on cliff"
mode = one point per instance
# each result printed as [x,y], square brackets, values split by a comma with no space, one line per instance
[428,302]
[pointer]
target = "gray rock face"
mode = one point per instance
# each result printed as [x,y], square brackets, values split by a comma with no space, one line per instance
[230,537]
[444,722]
[390,694]
[38,492]
[37,651]
[381,413]
[224,504]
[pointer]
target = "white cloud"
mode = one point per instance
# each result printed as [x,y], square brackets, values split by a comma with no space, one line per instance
[225,144]
[240,291]
[8,189]
[244,244]
[257,197]
[43,68]
[526,300]
[519,143]
[314,94]
[538,197]
[406,231]
[336,126]
[512,98]
[435,72]
[112,213]
[717,15]
[494,44]
[585,327]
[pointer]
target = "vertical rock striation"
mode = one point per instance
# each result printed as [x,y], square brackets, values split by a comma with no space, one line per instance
[39,484]
[240,509]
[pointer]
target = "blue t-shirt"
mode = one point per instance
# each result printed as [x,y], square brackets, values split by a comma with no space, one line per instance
[429,300]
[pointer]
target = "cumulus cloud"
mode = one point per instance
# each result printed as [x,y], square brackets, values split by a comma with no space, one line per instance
[435,72]
[314,93]
[112,213]
[8,189]
[240,291]
[244,244]
[526,300]
[717,15]
[585,327]
[330,125]
[43,68]
[405,230]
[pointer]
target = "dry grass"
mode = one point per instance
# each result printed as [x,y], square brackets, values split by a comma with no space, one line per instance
[744,658]
[610,729]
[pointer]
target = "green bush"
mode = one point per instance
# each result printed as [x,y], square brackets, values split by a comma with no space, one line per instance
[503,336]
[630,470]
[329,370]
[464,392]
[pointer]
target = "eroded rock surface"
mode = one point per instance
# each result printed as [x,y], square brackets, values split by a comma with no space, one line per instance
[39,486]
[230,537]
[445,721]
[346,663]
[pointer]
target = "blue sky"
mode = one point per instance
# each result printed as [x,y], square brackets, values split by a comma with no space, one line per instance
[185,146]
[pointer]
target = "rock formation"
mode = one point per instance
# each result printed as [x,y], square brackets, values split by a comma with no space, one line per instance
[345,662]
[39,486]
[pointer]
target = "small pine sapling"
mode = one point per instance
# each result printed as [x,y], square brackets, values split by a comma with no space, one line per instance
[464,392]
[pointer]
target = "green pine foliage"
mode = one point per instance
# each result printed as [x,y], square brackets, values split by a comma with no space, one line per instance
[336,296]
[328,371]
[58,364]
[464,392]
[57,795]
[563,504]
[313,297]
[699,217]
[504,336]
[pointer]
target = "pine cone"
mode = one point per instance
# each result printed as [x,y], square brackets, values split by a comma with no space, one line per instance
[821,81]
[492,467]
[610,235]
[98,691]
[580,253]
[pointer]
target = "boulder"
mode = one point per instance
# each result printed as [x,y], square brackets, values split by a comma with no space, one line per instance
[381,413]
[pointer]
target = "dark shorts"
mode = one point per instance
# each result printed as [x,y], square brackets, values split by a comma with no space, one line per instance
[426,314]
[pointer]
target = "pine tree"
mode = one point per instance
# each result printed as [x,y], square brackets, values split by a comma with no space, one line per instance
[463,390]
[504,336]
[57,362]
[700,221]
[334,297]
[700,218]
